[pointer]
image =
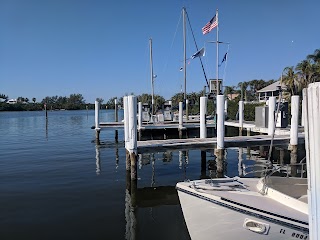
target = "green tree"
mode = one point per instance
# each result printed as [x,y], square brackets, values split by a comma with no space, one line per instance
[290,80]
[306,72]
[34,100]
[4,97]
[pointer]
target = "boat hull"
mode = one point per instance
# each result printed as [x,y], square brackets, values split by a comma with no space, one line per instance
[213,218]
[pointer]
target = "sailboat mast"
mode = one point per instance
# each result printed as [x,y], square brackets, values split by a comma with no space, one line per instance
[152,77]
[184,54]
[217,66]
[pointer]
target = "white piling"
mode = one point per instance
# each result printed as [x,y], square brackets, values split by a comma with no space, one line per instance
[187,109]
[226,107]
[180,115]
[139,115]
[271,113]
[132,106]
[220,122]
[241,114]
[294,120]
[96,114]
[126,121]
[116,110]
[203,112]
[312,143]
[302,112]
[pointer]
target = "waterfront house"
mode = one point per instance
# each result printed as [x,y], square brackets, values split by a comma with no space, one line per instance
[270,91]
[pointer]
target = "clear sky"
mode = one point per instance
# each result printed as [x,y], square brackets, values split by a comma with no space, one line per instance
[100,48]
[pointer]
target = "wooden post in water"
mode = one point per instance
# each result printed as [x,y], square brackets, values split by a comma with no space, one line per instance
[126,131]
[220,124]
[302,112]
[241,116]
[294,123]
[140,119]
[203,132]
[46,111]
[226,107]
[203,113]
[271,117]
[312,143]
[96,120]
[132,146]
[187,110]
[116,118]
[180,119]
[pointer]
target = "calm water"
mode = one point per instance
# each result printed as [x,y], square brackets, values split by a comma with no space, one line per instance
[57,184]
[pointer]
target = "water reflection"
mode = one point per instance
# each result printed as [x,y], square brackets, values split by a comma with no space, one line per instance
[283,163]
[47,129]
[98,161]
[138,200]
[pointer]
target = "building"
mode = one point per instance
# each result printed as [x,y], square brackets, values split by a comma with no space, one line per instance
[270,91]
[12,101]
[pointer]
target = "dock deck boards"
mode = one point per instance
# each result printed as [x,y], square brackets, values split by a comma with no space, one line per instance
[210,143]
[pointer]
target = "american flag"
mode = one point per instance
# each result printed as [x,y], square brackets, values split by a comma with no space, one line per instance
[210,25]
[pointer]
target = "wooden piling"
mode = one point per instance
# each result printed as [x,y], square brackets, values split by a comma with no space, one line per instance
[294,121]
[132,126]
[116,118]
[271,115]
[226,107]
[220,162]
[46,111]
[241,117]
[96,119]
[128,163]
[187,110]
[203,112]
[180,119]
[312,143]
[133,161]
[126,121]
[220,122]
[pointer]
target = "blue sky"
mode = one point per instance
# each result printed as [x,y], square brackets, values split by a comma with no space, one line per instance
[100,48]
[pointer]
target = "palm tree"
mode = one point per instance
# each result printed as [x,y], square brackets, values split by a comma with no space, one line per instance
[306,72]
[315,57]
[290,80]
[243,88]
[34,100]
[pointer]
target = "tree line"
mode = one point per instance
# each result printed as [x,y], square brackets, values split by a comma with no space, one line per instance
[294,78]
[307,71]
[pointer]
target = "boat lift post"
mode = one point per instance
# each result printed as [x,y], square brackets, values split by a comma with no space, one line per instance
[294,123]
[96,118]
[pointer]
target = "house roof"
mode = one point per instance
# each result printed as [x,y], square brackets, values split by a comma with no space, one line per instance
[272,87]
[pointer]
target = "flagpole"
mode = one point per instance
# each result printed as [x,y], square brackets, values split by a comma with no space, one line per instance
[217,65]
[152,77]
[184,54]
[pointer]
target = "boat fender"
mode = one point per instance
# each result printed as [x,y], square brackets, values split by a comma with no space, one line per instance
[255,226]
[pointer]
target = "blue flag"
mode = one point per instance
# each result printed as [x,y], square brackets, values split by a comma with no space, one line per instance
[199,53]
[224,59]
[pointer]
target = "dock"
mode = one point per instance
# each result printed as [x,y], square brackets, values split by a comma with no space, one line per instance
[210,143]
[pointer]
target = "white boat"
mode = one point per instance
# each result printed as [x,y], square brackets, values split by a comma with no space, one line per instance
[245,208]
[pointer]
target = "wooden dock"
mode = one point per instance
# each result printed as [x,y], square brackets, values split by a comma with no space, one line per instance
[210,143]
[192,124]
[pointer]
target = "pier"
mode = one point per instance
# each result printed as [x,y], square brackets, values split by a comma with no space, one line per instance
[211,143]
[208,134]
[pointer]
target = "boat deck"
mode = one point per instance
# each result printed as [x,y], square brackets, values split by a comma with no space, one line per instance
[250,199]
